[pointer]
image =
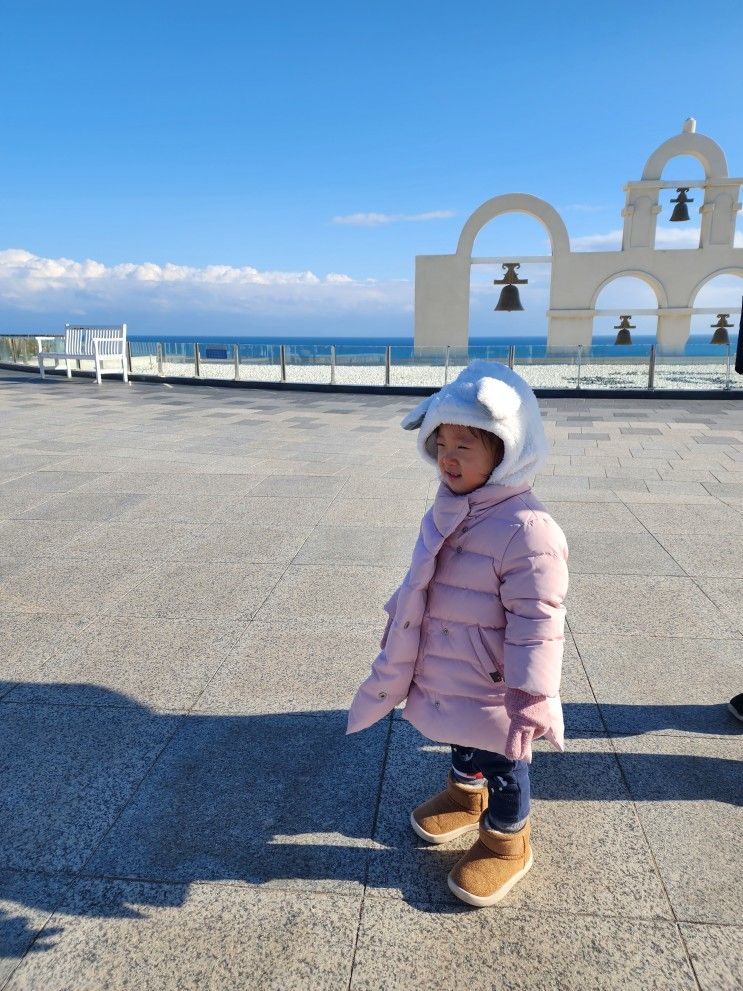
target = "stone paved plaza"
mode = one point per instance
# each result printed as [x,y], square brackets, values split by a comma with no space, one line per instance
[191,583]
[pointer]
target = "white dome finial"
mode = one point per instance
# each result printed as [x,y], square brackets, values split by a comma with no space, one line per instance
[690,125]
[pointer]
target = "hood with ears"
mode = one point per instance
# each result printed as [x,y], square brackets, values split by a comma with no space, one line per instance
[491,396]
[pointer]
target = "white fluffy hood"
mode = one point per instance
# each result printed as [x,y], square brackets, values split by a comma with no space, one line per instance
[489,395]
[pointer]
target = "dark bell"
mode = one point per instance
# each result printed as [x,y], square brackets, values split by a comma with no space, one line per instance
[509,299]
[681,210]
[623,327]
[509,296]
[720,328]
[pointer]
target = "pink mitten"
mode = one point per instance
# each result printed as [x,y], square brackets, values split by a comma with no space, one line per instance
[529,718]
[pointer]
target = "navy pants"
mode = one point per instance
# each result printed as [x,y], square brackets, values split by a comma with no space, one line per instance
[508,784]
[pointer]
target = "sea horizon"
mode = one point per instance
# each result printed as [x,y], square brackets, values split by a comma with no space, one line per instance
[698,344]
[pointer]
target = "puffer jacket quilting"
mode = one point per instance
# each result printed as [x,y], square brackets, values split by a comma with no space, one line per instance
[481,607]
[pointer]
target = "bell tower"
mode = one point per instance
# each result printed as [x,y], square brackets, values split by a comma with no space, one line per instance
[442,282]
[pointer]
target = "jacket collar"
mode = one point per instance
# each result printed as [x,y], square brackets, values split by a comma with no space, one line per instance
[449,509]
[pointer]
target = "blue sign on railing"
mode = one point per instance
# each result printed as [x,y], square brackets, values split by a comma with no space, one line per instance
[220,352]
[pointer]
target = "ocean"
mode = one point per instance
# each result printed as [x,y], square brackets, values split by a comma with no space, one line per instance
[259,345]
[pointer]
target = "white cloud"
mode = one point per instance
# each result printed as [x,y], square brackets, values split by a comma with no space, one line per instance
[33,283]
[610,241]
[381,219]
[665,237]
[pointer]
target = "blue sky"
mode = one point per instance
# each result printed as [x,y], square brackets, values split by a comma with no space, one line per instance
[238,138]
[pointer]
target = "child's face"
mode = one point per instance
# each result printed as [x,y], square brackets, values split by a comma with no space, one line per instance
[465,461]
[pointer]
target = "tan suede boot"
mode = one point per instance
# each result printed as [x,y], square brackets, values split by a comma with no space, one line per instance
[488,871]
[453,812]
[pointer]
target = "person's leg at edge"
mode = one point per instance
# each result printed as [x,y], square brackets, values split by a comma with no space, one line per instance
[502,854]
[509,791]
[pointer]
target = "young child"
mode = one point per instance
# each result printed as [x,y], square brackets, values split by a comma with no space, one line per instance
[474,638]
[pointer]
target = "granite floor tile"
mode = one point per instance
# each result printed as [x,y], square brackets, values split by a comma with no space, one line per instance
[374,512]
[274,511]
[397,943]
[179,590]
[716,954]
[644,605]
[237,799]
[727,595]
[27,901]
[598,517]
[707,555]
[391,489]
[73,587]
[328,663]
[571,490]
[40,483]
[242,542]
[203,938]
[172,508]
[344,592]
[67,773]
[94,506]
[167,666]
[679,490]
[314,486]
[619,554]
[15,503]
[688,795]
[388,546]
[691,519]
[27,641]
[642,682]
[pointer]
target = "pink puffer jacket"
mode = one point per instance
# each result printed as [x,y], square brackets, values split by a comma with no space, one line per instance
[481,607]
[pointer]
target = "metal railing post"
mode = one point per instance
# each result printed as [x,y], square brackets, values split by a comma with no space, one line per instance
[446,366]
[651,368]
[128,358]
[580,354]
[332,364]
[282,359]
[387,362]
[236,360]
[511,355]
[196,361]
[159,350]
[13,351]
[727,368]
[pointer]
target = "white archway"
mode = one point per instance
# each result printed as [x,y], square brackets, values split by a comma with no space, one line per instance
[655,284]
[708,278]
[515,203]
[698,146]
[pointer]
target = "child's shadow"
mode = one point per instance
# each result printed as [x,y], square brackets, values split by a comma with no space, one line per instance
[114,790]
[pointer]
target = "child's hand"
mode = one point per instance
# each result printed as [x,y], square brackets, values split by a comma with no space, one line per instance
[529,717]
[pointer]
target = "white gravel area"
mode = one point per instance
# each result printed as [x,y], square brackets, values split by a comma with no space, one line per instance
[558,372]
[630,374]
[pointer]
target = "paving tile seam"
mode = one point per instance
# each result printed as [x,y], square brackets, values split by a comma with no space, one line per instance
[649,848]
[239,638]
[631,800]
[659,542]
[179,723]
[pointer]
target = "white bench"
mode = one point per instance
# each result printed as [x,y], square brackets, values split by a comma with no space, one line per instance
[85,343]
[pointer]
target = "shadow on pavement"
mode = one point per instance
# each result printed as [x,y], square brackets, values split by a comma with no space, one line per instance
[115,790]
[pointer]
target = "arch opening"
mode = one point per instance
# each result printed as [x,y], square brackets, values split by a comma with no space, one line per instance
[683,234]
[627,292]
[721,292]
[507,236]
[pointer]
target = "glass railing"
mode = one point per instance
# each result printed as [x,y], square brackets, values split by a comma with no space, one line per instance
[607,367]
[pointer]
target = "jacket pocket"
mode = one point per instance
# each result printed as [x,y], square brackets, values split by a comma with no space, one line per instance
[484,655]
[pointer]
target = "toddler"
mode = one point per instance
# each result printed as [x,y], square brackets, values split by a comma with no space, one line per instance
[474,638]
